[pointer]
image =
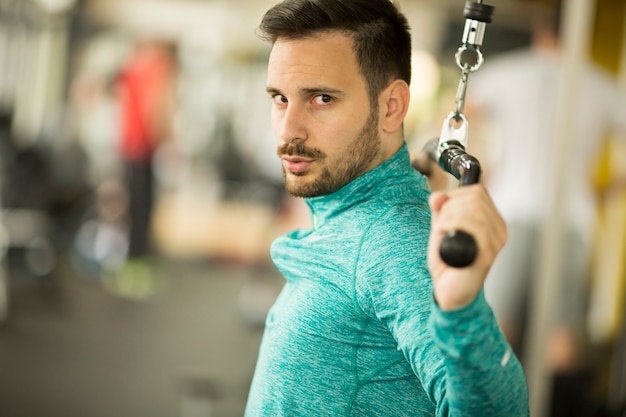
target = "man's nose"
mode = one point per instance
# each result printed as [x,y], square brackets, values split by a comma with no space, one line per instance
[292,124]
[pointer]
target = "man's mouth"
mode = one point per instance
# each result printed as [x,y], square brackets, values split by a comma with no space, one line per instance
[296,164]
[297,158]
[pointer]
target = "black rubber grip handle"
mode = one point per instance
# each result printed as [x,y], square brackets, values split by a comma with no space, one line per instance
[458,249]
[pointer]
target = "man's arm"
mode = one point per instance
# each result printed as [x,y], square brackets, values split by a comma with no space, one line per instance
[481,369]
[461,357]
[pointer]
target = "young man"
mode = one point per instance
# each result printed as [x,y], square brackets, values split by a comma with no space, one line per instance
[370,321]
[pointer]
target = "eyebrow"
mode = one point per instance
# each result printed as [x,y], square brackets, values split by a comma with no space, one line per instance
[311,91]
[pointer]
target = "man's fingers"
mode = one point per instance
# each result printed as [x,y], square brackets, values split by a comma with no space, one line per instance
[436,201]
[471,210]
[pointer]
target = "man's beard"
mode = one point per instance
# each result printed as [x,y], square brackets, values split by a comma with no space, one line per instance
[355,162]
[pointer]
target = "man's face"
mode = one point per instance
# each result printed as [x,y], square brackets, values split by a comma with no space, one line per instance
[327,133]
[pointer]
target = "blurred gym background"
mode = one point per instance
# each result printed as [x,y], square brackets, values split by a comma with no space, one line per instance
[84,332]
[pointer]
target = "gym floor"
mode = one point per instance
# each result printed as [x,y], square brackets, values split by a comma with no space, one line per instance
[70,347]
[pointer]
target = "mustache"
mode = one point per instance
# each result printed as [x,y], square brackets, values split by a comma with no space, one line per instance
[298,149]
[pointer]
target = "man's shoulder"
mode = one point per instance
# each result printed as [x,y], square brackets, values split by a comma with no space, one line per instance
[397,223]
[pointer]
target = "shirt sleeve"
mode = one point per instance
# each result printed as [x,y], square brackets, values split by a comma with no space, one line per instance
[462,360]
[482,374]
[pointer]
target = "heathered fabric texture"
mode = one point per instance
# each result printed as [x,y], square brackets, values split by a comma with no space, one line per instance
[355,330]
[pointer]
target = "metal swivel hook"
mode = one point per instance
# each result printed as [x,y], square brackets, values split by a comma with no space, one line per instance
[469,57]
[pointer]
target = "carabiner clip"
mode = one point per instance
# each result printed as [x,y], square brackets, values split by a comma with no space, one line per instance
[451,134]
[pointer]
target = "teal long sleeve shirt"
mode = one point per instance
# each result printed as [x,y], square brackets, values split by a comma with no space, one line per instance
[356,331]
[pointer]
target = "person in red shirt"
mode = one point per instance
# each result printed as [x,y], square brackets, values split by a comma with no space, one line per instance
[145,87]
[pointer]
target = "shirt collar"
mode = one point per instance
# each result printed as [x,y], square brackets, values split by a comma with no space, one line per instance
[385,178]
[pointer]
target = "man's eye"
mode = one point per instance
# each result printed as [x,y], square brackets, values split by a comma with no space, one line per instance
[323,99]
[279,99]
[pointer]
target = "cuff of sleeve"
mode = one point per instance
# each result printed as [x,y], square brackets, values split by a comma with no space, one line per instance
[468,311]
[459,332]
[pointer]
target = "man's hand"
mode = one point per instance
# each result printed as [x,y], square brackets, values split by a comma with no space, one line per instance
[437,178]
[469,209]
[425,162]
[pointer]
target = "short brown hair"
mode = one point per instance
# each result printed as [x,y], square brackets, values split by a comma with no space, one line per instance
[380,32]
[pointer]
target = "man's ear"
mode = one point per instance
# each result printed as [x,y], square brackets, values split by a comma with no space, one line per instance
[394,105]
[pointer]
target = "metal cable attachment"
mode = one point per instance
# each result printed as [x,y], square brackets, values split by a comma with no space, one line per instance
[458,248]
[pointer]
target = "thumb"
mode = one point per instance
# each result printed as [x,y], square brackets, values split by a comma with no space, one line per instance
[436,201]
